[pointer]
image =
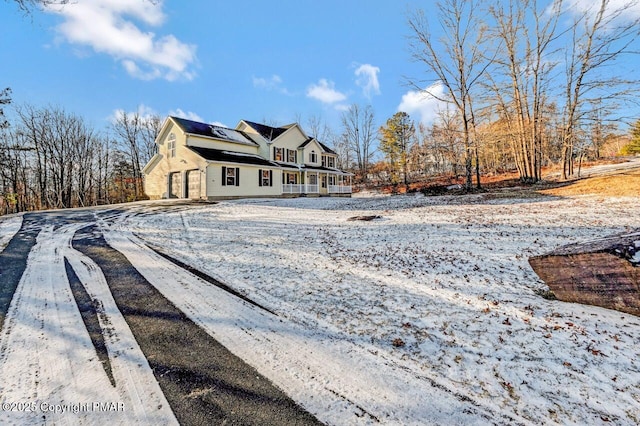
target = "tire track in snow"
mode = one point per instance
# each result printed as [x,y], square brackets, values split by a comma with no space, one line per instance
[204,383]
[47,357]
[318,371]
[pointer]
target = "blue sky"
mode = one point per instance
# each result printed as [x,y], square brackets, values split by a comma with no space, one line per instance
[274,62]
[215,61]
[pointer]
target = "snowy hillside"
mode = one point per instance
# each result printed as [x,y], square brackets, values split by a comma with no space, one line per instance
[436,295]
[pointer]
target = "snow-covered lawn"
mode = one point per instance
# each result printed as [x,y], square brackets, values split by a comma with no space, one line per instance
[9,226]
[435,299]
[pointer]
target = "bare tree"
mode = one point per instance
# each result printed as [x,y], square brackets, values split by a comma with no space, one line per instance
[5,99]
[359,132]
[28,5]
[136,135]
[526,33]
[319,129]
[457,60]
[60,147]
[151,127]
[601,36]
[341,147]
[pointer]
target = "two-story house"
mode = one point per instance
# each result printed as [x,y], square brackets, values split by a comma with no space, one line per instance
[204,161]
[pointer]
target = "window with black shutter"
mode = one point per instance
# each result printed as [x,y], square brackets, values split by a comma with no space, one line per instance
[265,177]
[230,176]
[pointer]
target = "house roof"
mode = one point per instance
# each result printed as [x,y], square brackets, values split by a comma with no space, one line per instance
[267,132]
[290,166]
[231,157]
[324,147]
[307,142]
[325,169]
[213,131]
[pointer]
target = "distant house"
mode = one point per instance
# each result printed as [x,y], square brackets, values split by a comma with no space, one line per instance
[205,161]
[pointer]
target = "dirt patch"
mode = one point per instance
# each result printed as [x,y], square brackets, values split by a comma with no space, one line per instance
[625,184]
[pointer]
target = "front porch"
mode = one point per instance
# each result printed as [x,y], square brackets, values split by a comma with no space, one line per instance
[291,188]
[316,183]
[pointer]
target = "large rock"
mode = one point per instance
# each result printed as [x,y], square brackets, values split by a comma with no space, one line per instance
[604,272]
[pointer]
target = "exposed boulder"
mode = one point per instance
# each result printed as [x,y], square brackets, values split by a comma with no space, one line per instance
[603,272]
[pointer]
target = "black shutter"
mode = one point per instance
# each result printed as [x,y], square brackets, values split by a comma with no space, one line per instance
[270,177]
[259,177]
[224,176]
[237,176]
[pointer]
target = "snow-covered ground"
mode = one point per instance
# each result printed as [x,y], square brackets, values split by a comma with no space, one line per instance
[429,314]
[9,226]
[49,368]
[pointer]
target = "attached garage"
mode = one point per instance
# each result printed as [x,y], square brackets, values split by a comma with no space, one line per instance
[175,185]
[193,184]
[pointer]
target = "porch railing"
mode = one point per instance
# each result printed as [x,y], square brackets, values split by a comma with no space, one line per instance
[292,188]
[340,189]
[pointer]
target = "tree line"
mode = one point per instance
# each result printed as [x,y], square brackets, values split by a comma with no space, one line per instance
[522,84]
[51,158]
[526,83]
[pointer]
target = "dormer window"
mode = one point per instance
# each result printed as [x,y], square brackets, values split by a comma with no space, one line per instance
[171,146]
[313,157]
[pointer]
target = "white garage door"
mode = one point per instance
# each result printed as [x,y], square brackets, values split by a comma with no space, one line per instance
[193,184]
[175,185]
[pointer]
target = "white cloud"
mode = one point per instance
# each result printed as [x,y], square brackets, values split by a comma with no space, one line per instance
[189,115]
[325,92]
[143,112]
[267,83]
[631,9]
[146,113]
[423,103]
[112,27]
[273,83]
[367,78]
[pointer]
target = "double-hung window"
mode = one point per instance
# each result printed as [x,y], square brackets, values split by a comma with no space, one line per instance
[278,154]
[265,177]
[230,176]
[292,156]
[313,157]
[171,146]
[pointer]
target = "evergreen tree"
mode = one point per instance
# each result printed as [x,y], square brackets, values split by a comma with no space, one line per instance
[633,147]
[396,138]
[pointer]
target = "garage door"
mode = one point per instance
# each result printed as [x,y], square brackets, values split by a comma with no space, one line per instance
[175,185]
[193,184]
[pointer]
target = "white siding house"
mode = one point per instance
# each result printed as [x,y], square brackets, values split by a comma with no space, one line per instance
[204,161]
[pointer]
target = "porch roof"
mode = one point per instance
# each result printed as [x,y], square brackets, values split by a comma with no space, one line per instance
[325,170]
